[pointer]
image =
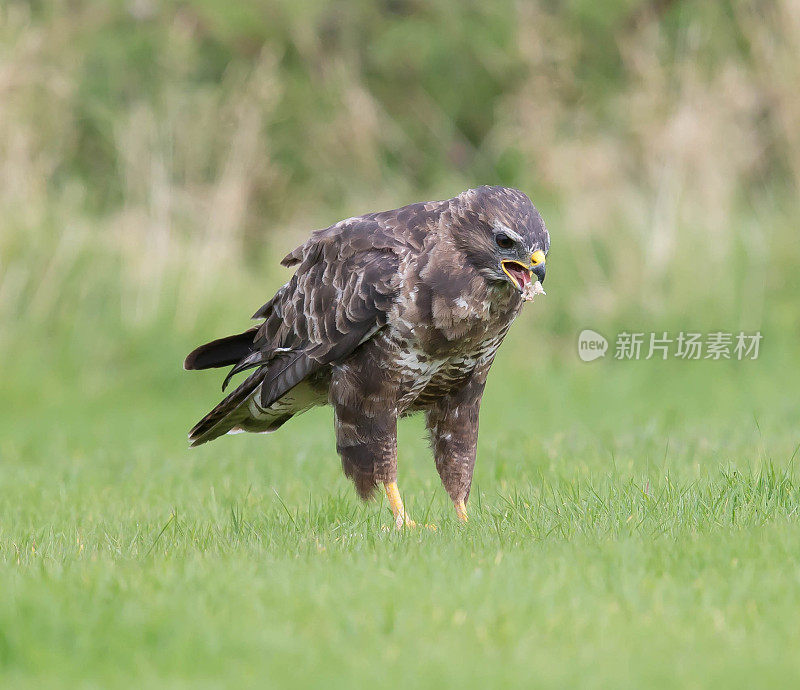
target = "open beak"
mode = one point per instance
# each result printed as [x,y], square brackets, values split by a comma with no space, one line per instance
[520,274]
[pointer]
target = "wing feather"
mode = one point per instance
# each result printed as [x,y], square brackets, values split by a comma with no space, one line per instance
[345,283]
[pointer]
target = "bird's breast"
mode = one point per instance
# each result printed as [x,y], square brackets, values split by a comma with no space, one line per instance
[424,374]
[444,327]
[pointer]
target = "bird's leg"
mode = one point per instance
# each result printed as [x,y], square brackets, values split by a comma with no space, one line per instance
[453,425]
[364,400]
[366,437]
[401,518]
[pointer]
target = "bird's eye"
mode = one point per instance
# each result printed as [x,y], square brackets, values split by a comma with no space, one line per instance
[503,241]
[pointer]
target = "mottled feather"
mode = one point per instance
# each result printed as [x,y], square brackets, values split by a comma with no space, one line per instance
[386,314]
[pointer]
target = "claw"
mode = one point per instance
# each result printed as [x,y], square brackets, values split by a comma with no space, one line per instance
[401,518]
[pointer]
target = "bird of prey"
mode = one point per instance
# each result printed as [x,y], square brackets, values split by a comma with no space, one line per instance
[388,314]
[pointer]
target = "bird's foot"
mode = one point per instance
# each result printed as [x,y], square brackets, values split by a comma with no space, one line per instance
[461,510]
[403,521]
[401,518]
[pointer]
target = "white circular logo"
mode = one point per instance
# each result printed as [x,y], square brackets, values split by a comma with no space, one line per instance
[591,345]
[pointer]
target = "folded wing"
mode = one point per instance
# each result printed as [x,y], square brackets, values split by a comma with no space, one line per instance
[345,283]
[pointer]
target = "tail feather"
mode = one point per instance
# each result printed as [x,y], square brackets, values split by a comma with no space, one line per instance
[223,417]
[254,359]
[284,373]
[276,378]
[222,352]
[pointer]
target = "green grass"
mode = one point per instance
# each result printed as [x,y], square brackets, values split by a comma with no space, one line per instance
[633,524]
[623,533]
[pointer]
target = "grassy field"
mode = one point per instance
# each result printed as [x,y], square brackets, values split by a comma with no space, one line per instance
[622,534]
[633,524]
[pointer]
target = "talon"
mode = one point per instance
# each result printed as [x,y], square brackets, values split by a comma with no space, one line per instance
[400,523]
[461,510]
[401,518]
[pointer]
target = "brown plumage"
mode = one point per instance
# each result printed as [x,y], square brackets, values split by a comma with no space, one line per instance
[387,314]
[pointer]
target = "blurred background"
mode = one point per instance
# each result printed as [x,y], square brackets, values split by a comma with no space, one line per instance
[632,522]
[158,157]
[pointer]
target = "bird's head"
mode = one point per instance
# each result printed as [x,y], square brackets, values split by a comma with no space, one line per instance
[502,235]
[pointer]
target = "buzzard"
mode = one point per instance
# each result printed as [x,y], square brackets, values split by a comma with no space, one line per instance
[388,314]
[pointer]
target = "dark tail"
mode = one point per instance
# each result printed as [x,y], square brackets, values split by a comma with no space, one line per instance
[227,414]
[222,352]
[276,376]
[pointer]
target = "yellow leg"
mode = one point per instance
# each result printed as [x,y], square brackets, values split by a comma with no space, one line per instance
[401,518]
[461,510]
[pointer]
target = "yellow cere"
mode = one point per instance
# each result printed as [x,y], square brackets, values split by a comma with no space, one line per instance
[537,257]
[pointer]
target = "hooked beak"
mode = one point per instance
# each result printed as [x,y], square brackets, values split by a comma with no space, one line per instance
[520,274]
[538,265]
